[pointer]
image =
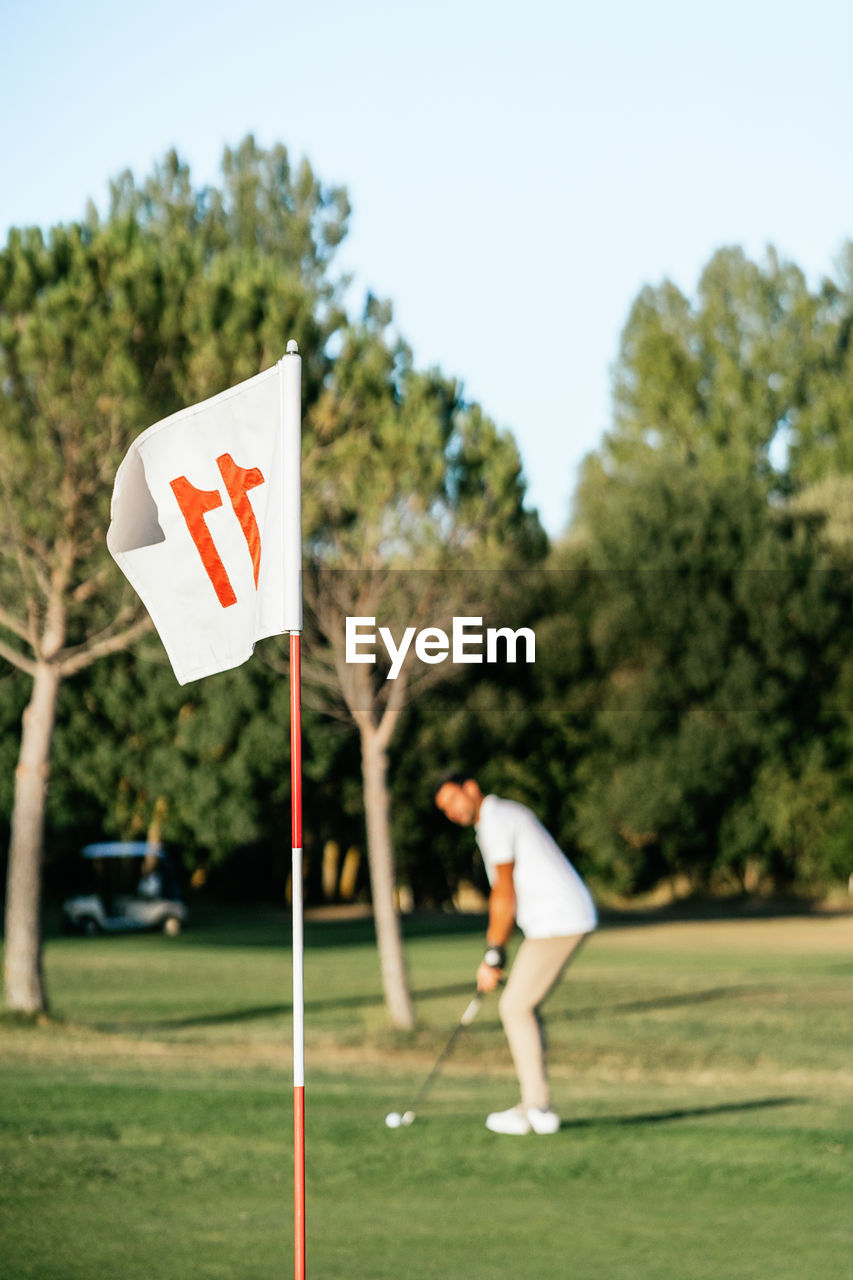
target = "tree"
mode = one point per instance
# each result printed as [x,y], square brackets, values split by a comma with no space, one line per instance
[820,438]
[717,631]
[204,766]
[105,326]
[409,491]
[720,381]
[68,382]
[717,636]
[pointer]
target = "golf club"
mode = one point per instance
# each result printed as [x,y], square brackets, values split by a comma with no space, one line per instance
[395,1119]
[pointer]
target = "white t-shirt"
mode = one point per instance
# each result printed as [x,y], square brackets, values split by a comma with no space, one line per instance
[551,899]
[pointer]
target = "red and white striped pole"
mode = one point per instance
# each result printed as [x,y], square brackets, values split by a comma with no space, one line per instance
[291,461]
[298,969]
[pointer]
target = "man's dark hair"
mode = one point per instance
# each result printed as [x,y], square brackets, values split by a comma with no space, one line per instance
[455,777]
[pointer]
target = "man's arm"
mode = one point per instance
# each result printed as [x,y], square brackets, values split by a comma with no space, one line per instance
[501,921]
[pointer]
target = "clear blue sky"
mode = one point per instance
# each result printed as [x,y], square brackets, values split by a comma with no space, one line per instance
[517,171]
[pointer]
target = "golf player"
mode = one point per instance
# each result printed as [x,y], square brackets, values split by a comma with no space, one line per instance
[534,885]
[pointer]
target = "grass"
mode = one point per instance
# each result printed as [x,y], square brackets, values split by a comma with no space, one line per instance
[704,1070]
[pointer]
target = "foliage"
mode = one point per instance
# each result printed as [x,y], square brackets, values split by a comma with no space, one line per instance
[690,713]
[720,628]
[719,381]
[108,324]
[205,767]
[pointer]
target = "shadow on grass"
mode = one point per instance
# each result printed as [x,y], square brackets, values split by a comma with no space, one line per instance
[375,1000]
[683,999]
[681,1113]
[257,1012]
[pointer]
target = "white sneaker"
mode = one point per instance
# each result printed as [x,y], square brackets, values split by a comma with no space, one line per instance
[512,1121]
[517,1120]
[546,1121]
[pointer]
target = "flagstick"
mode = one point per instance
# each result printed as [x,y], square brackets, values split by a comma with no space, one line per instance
[290,390]
[298,971]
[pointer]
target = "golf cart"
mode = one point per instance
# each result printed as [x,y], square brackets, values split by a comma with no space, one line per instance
[130,886]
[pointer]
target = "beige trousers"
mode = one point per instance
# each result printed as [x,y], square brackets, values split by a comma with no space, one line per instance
[535,971]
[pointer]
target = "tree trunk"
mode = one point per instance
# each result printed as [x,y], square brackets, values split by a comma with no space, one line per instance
[380,853]
[22,965]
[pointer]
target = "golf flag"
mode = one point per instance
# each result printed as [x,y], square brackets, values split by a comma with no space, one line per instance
[206,521]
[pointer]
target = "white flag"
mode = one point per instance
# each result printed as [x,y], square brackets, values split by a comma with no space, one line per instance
[205,521]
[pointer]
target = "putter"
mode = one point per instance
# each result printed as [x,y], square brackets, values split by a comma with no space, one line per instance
[395,1119]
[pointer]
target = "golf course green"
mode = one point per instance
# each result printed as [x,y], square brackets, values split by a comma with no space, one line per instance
[703,1070]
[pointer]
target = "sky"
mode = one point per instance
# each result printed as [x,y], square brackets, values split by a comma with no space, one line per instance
[518,172]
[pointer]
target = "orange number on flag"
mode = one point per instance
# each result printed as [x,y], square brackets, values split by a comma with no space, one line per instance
[238,481]
[196,503]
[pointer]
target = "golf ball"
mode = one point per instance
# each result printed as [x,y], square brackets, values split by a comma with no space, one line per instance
[393,1119]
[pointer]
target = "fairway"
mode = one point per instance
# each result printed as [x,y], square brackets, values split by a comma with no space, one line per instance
[703,1070]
